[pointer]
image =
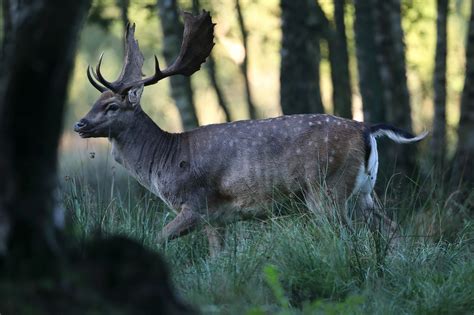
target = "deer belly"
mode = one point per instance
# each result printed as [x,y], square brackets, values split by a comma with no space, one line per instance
[234,212]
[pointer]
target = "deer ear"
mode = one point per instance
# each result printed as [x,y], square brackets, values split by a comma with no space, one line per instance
[135,94]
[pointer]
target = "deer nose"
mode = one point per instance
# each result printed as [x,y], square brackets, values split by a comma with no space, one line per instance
[80,124]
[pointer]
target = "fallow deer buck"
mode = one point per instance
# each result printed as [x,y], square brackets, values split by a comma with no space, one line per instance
[221,173]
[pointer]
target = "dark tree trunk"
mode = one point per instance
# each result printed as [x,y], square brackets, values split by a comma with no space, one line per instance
[464,165]
[212,72]
[244,66]
[8,12]
[438,143]
[339,61]
[123,5]
[181,90]
[300,57]
[34,78]
[370,83]
[391,59]
[341,78]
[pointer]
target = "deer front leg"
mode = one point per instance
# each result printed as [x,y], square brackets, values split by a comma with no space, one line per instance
[215,235]
[186,221]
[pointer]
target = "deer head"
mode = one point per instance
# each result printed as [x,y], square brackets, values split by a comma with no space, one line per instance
[114,111]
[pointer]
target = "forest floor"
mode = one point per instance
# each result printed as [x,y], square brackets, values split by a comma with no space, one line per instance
[300,263]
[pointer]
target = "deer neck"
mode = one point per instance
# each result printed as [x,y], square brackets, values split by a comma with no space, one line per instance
[144,149]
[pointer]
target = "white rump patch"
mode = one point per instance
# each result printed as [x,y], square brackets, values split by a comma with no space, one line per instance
[366,177]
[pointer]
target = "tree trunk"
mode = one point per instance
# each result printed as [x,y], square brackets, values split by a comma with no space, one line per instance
[34,78]
[7,26]
[211,71]
[123,5]
[339,61]
[369,77]
[244,66]
[391,57]
[438,143]
[390,50]
[300,57]
[464,157]
[341,78]
[181,90]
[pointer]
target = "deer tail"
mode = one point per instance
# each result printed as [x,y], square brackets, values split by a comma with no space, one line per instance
[395,134]
[371,133]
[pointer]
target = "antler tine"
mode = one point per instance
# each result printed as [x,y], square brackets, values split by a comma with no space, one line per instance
[102,80]
[93,82]
[198,40]
[132,62]
[197,44]
[147,81]
[156,77]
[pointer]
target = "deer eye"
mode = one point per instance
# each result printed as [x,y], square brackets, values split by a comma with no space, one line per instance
[112,107]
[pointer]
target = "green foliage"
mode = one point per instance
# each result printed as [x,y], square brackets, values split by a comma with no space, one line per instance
[351,305]
[273,280]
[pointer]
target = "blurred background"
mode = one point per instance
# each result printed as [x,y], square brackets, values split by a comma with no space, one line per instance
[273,57]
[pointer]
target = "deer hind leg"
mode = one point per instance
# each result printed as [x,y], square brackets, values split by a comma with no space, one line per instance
[216,237]
[370,213]
[376,219]
[364,186]
[186,221]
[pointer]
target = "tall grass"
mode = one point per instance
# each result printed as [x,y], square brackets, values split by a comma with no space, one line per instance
[300,262]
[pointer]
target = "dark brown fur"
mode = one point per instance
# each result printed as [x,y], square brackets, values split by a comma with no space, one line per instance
[222,173]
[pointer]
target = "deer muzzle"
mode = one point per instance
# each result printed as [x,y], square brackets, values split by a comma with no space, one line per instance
[82,127]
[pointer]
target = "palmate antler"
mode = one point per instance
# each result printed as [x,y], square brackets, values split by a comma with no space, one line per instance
[197,44]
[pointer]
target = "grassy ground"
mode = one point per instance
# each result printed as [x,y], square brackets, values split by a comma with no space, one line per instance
[299,263]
